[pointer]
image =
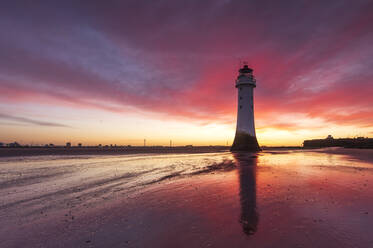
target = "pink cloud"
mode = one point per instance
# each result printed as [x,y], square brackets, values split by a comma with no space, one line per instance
[180,59]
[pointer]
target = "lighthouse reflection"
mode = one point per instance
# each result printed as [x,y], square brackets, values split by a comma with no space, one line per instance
[246,164]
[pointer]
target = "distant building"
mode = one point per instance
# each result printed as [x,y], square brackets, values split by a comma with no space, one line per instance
[79,144]
[1,144]
[14,144]
[329,141]
[68,144]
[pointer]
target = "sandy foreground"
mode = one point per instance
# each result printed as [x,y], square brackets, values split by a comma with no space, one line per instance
[287,198]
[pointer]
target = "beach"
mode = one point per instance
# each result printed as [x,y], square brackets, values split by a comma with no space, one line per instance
[274,198]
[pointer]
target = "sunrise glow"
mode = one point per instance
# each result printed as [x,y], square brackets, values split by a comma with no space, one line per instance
[126,75]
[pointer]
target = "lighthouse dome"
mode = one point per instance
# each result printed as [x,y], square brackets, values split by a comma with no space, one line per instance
[245,69]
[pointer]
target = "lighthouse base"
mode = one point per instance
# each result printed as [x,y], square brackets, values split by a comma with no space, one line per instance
[245,142]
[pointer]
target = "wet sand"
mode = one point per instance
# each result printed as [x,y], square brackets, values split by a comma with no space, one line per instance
[287,198]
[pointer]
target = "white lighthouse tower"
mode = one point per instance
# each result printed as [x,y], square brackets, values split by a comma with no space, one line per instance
[245,139]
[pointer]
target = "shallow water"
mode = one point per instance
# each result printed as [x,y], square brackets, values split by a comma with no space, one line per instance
[287,198]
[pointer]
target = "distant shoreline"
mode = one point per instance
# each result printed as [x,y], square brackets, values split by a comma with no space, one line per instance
[123,150]
[116,150]
[46,151]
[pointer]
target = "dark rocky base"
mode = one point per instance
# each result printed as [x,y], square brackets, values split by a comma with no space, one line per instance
[245,142]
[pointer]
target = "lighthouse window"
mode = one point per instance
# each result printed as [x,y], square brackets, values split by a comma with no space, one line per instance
[240,97]
[240,106]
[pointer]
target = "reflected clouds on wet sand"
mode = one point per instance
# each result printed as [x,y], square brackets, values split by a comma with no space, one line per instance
[296,198]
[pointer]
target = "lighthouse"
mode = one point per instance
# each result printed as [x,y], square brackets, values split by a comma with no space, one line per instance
[245,139]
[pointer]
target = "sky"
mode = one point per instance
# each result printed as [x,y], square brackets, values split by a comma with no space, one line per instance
[119,72]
